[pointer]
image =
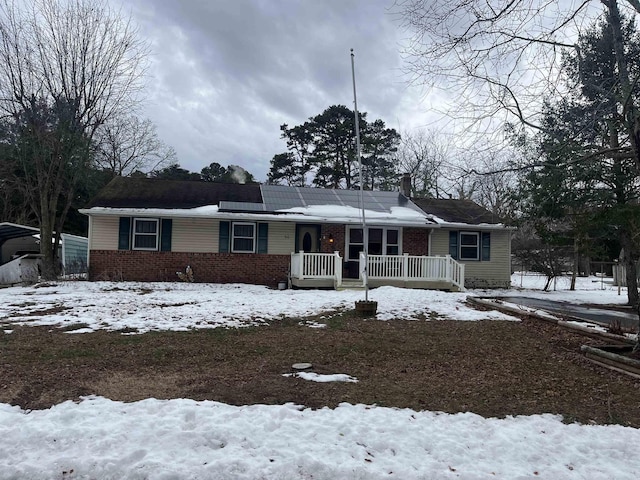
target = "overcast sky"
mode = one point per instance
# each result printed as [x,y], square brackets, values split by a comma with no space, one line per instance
[227,73]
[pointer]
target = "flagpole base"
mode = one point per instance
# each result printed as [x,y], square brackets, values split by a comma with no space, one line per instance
[366,308]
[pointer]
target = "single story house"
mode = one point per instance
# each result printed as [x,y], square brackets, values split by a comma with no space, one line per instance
[20,253]
[144,229]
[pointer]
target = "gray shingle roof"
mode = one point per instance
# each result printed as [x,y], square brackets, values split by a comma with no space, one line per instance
[456,211]
[127,192]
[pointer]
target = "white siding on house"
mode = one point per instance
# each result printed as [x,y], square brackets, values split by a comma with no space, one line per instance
[439,242]
[104,233]
[494,273]
[198,235]
[282,237]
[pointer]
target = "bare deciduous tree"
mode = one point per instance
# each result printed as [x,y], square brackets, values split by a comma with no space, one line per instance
[495,58]
[66,68]
[423,155]
[126,145]
[494,183]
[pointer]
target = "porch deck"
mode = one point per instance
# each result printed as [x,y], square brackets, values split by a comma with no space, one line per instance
[326,270]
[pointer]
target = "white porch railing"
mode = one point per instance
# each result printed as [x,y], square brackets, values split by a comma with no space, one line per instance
[409,267]
[380,267]
[316,265]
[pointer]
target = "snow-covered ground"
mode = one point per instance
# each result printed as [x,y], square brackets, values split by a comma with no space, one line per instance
[596,290]
[184,306]
[184,439]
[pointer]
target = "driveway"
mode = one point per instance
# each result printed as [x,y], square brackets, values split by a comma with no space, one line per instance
[601,316]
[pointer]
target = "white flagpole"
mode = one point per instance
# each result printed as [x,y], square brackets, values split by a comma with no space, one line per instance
[365,235]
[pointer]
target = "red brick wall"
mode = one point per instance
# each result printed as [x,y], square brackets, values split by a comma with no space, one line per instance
[261,269]
[129,265]
[415,241]
[336,232]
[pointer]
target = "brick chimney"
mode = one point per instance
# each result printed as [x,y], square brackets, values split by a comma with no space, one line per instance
[405,185]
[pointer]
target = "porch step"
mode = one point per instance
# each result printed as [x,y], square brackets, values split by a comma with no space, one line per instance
[351,285]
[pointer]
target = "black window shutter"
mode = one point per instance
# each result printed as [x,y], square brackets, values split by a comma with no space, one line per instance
[486,246]
[453,245]
[165,234]
[124,234]
[296,239]
[223,246]
[263,237]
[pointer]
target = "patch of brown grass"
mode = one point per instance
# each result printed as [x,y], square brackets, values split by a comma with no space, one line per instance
[492,368]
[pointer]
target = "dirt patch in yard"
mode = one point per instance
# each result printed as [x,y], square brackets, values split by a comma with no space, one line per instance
[492,368]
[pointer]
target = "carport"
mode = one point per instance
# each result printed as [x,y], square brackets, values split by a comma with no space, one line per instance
[19,253]
[15,239]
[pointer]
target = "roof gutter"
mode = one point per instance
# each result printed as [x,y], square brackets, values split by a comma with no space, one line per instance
[477,226]
[282,217]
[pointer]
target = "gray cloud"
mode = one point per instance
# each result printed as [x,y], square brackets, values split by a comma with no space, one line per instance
[226,74]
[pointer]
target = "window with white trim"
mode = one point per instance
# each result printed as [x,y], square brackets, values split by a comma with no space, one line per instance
[469,246]
[145,233]
[243,237]
[355,243]
[381,241]
[393,242]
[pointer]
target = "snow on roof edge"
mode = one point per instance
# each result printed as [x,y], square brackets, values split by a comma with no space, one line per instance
[375,218]
[317,213]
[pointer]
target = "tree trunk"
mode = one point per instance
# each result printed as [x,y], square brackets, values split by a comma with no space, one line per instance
[46,236]
[547,285]
[632,283]
[587,266]
[628,260]
[576,264]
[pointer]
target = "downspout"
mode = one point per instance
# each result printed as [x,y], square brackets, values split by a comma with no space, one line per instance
[63,253]
[89,243]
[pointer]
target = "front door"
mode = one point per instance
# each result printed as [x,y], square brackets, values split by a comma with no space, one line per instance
[308,238]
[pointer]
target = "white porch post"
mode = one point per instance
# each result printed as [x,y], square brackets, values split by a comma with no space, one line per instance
[405,266]
[301,268]
[338,268]
[448,267]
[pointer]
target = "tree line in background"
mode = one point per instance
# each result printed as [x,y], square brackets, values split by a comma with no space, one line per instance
[321,153]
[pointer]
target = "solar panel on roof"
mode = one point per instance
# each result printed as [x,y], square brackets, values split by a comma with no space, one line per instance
[281,197]
[319,197]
